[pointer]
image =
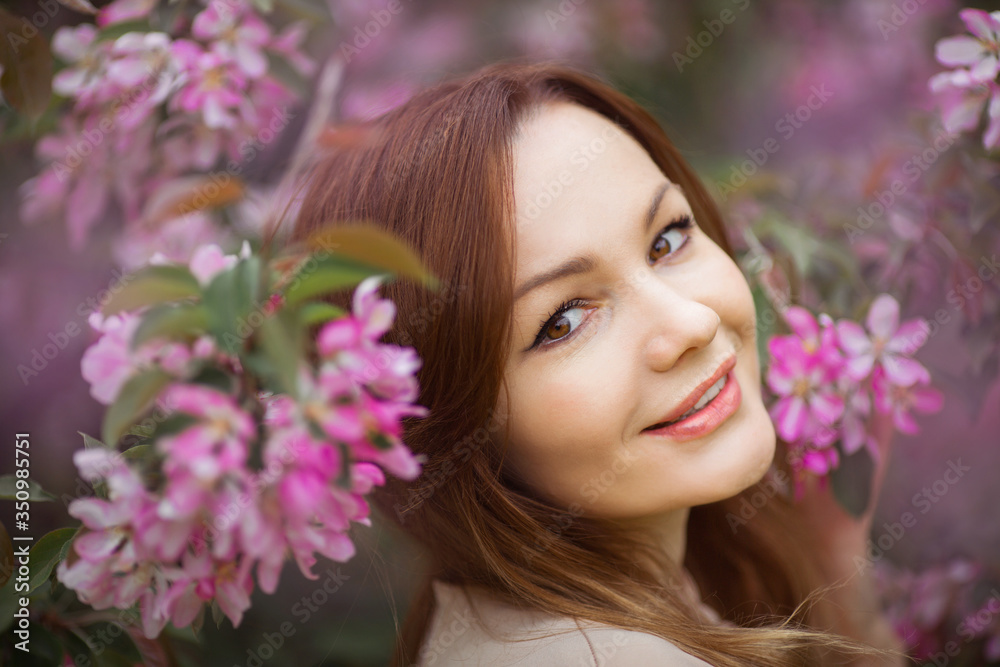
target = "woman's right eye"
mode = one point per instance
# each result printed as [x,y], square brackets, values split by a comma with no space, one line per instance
[561,324]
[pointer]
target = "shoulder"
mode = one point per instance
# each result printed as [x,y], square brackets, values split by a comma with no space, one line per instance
[470,628]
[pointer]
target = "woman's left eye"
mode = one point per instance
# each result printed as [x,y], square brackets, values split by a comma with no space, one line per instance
[670,239]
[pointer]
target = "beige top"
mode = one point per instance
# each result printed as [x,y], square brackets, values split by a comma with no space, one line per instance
[479,629]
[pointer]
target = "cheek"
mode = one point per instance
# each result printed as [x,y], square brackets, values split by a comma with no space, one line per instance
[561,427]
[554,410]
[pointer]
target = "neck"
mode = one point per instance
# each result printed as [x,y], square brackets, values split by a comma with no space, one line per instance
[668,529]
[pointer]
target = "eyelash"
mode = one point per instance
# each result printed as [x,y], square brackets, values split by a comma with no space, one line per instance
[684,222]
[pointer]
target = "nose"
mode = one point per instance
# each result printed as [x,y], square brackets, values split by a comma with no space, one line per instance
[676,324]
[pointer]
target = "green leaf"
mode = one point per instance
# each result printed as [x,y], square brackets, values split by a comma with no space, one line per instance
[264,5]
[370,245]
[92,443]
[344,478]
[282,343]
[152,285]
[26,82]
[216,378]
[318,312]
[283,71]
[133,399]
[261,366]
[116,30]
[174,321]
[324,274]
[230,298]
[8,490]
[767,321]
[801,244]
[852,481]
[380,440]
[138,452]
[46,554]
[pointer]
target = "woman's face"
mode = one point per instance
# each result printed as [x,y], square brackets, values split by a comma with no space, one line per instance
[657,314]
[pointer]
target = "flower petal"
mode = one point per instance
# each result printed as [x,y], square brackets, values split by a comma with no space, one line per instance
[959,50]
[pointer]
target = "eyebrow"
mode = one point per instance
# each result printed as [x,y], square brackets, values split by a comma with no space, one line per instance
[588,263]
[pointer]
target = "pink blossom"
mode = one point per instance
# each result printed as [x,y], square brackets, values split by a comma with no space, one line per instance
[288,44]
[175,240]
[899,400]
[142,62]
[208,260]
[199,454]
[85,79]
[236,33]
[108,571]
[87,167]
[802,372]
[979,53]
[124,10]
[963,92]
[212,85]
[888,343]
[855,434]
[108,364]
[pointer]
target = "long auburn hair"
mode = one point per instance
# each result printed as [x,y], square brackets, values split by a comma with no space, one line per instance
[437,172]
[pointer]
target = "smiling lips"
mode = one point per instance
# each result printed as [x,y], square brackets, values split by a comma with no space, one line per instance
[710,404]
[712,392]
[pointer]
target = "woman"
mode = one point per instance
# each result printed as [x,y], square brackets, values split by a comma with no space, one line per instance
[590,297]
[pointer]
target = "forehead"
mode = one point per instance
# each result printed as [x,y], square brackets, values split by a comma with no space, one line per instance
[577,176]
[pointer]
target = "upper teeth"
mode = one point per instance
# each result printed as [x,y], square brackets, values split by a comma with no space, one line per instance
[712,392]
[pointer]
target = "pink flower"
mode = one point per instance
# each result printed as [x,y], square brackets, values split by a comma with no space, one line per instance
[899,400]
[124,10]
[108,571]
[236,33]
[208,260]
[175,241]
[803,371]
[964,91]
[88,166]
[108,364]
[979,53]
[288,43]
[142,61]
[212,85]
[201,453]
[855,433]
[86,78]
[887,343]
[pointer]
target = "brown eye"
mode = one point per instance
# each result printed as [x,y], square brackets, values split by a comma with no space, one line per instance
[668,241]
[561,324]
[564,324]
